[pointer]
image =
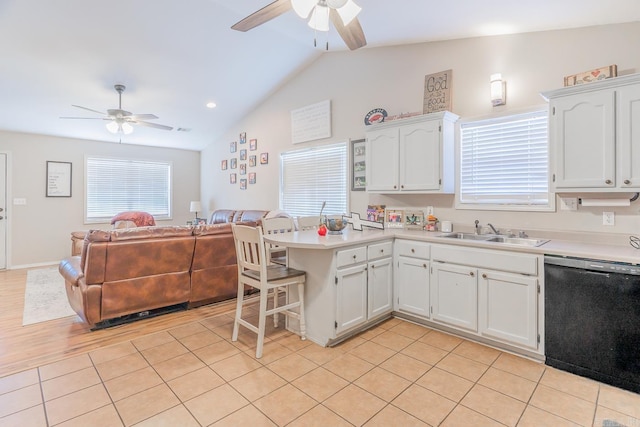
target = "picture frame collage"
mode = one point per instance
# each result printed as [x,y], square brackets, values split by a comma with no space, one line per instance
[245,158]
[407,218]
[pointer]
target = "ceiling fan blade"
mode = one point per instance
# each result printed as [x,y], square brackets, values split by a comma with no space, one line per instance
[143,116]
[89,109]
[352,33]
[267,13]
[151,125]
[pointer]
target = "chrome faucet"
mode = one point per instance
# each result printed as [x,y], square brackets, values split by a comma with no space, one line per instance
[493,228]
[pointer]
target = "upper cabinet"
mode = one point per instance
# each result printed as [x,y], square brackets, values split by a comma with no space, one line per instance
[412,155]
[594,135]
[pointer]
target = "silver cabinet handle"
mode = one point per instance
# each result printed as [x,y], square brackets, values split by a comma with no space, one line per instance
[424,265]
[484,276]
[608,182]
[626,181]
[472,274]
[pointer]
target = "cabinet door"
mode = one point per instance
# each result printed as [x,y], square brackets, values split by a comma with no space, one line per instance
[420,156]
[380,280]
[583,135]
[454,295]
[382,160]
[351,303]
[628,116]
[509,308]
[412,286]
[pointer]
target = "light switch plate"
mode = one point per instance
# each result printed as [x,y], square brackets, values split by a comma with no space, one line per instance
[608,218]
[17,201]
[429,210]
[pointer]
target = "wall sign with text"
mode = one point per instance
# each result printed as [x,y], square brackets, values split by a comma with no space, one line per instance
[437,92]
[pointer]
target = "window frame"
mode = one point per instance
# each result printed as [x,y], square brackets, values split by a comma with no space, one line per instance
[345,180]
[459,204]
[102,219]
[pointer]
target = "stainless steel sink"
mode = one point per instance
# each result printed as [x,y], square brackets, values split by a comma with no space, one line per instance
[496,238]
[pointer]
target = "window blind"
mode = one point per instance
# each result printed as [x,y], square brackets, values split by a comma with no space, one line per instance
[505,161]
[312,176]
[118,185]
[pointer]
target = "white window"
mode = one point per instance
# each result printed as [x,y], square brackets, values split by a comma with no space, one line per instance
[311,176]
[504,163]
[119,185]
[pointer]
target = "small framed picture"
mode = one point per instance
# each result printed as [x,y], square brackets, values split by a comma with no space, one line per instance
[201,221]
[252,178]
[233,147]
[243,154]
[414,220]
[264,158]
[252,161]
[232,178]
[243,137]
[358,168]
[253,144]
[394,218]
[234,163]
[223,165]
[243,184]
[243,168]
[58,179]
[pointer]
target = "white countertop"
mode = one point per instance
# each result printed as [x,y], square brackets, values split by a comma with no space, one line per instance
[573,248]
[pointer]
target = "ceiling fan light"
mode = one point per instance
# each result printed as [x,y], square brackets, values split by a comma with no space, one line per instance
[303,7]
[336,4]
[112,126]
[349,11]
[319,20]
[126,128]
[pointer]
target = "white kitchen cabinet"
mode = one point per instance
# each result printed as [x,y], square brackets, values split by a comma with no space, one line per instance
[351,297]
[411,279]
[508,307]
[593,129]
[380,289]
[412,155]
[454,295]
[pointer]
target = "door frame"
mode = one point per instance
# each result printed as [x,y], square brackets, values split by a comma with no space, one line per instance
[8,207]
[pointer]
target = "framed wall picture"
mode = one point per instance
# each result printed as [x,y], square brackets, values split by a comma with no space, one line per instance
[233,178]
[243,137]
[243,168]
[243,154]
[233,147]
[253,144]
[264,158]
[234,163]
[358,165]
[243,184]
[252,161]
[223,165]
[252,178]
[58,179]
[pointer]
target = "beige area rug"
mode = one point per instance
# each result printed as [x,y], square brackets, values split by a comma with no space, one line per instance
[45,297]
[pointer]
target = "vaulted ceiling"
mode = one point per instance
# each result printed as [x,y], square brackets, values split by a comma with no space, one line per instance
[175,56]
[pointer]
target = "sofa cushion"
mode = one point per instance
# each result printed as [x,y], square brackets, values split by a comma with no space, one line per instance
[222,216]
[253,216]
[150,232]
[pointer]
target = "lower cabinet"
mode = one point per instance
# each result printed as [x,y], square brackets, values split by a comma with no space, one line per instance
[363,279]
[411,279]
[454,295]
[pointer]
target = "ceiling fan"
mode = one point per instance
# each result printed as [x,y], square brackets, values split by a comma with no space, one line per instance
[120,121]
[342,13]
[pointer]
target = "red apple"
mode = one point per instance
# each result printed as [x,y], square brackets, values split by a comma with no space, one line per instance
[322,230]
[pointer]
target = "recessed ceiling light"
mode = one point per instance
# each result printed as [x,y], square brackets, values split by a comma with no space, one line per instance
[211,105]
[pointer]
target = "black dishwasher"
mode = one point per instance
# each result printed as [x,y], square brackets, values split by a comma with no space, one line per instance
[592,319]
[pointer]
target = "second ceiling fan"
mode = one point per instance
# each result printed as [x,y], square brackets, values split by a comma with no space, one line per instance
[342,13]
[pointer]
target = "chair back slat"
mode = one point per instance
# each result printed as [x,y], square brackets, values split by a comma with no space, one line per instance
[308,222]
[250,249]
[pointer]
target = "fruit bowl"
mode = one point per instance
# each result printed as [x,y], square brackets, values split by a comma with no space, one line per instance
[335,225]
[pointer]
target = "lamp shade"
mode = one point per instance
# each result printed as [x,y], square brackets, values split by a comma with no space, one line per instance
[112,127]
[319,20]
[348,12]
[195,206]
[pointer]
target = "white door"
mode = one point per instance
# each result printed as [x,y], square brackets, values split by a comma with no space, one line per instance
[3,211]
[412,285]
[454,295]
[351,304]
[380,279]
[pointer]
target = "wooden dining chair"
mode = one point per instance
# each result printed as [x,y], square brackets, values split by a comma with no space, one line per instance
[254,270]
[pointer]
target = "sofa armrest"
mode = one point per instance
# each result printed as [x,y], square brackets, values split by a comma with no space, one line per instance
[70,269]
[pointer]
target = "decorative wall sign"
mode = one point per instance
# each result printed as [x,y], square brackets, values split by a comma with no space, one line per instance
[377,115]
[358,165]
[58,179]
[311,122]
[437,92]
[592,76]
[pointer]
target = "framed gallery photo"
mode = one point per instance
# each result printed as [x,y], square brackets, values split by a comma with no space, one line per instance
[223,165]
[253,144]
[252,161]
[233,147]
[233,178]
[243,154]
[252,178]
[358,165]
[58,179]
[264,158]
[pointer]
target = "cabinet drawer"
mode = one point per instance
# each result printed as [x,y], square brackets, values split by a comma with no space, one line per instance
[379,250]
[413,249]
[487,258]
[347,257]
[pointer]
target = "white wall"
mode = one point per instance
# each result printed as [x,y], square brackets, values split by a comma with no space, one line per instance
[40,230]
[393,78]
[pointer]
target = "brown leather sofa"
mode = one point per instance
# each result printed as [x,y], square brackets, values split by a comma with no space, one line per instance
[137,272]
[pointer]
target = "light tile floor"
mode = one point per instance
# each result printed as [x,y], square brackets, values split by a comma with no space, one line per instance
[396,374]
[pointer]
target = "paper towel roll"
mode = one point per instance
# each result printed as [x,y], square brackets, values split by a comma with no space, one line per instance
[605,202]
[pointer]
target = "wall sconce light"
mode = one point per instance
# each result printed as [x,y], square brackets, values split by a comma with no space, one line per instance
[195,207]
[498,90]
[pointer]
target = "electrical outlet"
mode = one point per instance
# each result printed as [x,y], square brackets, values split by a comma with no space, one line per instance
[568,203]
[429,210]
[608,218]
[17,201]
